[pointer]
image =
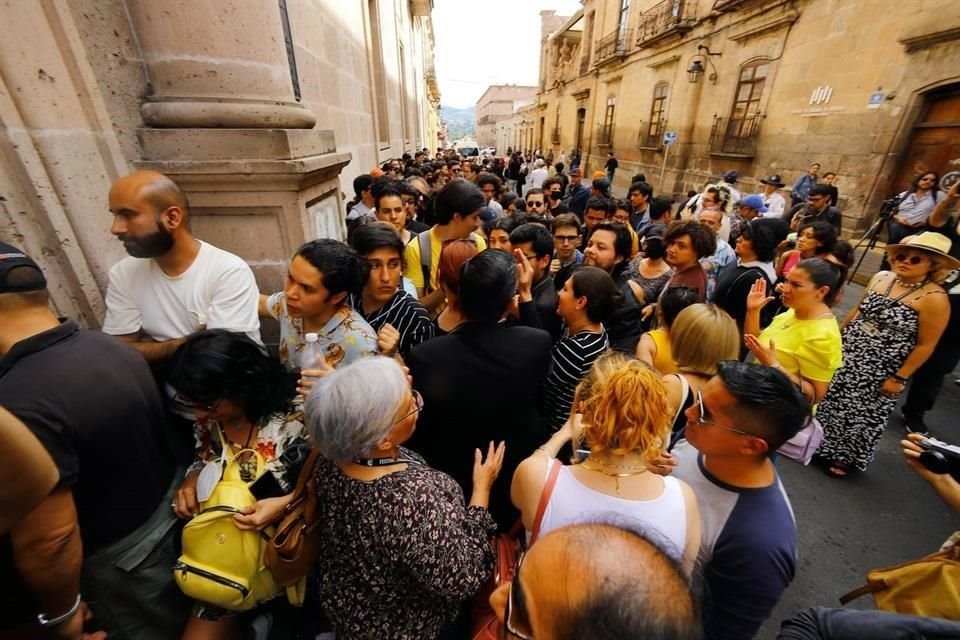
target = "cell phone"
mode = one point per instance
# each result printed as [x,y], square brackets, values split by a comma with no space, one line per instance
[266,486]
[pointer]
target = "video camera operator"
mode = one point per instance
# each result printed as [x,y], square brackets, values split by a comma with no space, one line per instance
[816,208]
[916,206]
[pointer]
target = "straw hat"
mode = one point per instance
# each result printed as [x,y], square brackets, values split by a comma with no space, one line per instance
[929,241]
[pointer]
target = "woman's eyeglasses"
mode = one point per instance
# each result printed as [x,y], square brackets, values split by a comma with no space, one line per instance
[417,400]
[212,406]
[912,259]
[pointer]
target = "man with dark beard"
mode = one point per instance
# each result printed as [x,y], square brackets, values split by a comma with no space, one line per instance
[172,284]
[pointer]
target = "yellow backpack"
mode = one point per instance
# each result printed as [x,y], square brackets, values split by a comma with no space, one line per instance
[221,564]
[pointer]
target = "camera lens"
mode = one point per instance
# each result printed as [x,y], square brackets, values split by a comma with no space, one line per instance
[935,461]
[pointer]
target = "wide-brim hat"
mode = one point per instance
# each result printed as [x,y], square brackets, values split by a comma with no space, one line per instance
[774,180]
[929,241]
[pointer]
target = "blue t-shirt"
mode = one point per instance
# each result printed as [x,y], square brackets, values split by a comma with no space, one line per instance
[748,549]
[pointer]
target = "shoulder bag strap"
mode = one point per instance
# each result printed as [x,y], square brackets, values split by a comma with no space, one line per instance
[303,487]
[545,499]
[425,258]
[684,391]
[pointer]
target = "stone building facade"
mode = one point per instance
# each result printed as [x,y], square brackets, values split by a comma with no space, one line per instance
[497,103]
[262,110]
[871,90]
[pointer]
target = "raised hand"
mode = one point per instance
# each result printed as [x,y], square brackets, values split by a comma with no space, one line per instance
[767,356]
[524,276]
[757,298]
[485,471]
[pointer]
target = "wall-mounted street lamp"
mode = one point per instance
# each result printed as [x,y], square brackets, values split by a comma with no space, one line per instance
[697,66]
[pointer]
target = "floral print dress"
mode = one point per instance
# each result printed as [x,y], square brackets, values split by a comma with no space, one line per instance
[399,553]
[273,439]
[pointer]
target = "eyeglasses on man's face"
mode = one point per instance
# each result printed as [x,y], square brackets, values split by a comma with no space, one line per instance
[515,617]
[702,420]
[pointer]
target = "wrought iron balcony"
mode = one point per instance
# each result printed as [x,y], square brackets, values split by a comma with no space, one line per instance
[613,46]
[555,136]
[736,135]
[663,19]
[604,135]
[651,135]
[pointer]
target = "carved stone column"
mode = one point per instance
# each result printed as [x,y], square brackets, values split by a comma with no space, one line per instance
[216,64]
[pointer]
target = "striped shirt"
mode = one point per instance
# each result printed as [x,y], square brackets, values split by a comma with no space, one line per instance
[572,358]
[404,313]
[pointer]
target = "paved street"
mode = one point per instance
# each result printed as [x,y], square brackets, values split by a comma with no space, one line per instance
[882,517]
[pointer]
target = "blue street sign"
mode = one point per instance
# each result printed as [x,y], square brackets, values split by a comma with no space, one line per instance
[669,137]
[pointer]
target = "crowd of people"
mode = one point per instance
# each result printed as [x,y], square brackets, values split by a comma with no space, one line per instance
[497,349]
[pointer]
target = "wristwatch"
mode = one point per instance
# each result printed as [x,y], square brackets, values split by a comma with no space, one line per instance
[52,622]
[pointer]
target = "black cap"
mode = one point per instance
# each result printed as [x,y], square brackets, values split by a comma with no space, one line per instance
[12,259]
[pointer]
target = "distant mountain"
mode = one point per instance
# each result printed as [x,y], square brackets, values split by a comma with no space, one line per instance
[459,122]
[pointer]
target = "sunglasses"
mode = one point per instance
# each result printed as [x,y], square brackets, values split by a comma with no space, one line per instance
[912,259]
[417,406]
[535,204]
[180,399]
[517,624]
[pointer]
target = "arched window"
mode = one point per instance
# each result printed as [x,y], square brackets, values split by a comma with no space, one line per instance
[746,102]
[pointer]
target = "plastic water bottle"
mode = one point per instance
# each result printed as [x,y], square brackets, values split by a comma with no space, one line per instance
[311,357]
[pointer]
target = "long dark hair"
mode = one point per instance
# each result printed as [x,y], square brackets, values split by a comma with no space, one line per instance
[217,364]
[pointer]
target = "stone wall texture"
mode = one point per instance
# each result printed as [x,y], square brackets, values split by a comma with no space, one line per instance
[202,90]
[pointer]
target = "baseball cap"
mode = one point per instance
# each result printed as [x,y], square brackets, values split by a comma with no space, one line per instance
[730,177]
[575,172]
[754,202]
[487,214]
[29,276]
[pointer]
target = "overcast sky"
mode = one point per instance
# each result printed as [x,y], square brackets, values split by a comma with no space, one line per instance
[484,42]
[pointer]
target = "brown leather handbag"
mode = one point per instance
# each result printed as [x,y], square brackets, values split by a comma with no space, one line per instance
[507,547]
[294,547]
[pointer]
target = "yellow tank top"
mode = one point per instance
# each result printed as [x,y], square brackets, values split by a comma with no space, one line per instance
[663,360]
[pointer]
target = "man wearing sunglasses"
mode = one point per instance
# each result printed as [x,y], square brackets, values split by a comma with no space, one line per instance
[625,587]
[749,546]
[536,202]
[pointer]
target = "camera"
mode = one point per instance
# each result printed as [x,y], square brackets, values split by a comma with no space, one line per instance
[889,207]
[940,457]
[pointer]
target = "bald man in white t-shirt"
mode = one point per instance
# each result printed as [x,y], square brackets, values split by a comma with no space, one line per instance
[172,284]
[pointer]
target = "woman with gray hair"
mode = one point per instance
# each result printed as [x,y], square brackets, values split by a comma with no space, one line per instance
[401,551]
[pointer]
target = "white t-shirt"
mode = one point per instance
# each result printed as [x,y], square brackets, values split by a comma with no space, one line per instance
[537,176]
[217,291]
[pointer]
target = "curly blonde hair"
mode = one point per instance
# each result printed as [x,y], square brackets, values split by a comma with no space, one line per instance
[624,407]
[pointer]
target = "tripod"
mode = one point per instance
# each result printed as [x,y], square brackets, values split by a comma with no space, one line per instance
[870,237]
